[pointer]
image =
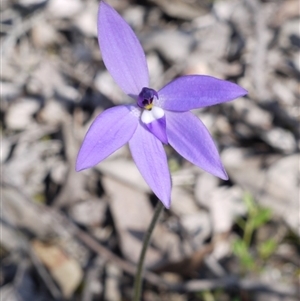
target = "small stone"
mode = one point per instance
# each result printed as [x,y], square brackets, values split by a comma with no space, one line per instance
[250,113]
[89,213]
[53,113]
[59,172]
[182,202]
[166,43]
[134,16]
[289,30]
[280,139]
[113,275]
[156,70]
[125,171]
[205,184]
[9,90]
[198,226]
[43,34]
[19,115]
[64,8]
[87,19]
[108,87]
[28,3]
[225,205]
[5,149]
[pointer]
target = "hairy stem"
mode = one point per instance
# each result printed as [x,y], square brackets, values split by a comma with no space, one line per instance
[138,276]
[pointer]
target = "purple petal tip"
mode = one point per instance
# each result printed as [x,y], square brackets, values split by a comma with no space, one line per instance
[167,203]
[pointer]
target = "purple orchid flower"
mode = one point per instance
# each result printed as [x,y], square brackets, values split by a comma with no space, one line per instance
[158,117]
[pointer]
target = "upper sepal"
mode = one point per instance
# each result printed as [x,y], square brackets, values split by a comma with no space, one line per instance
[121,51]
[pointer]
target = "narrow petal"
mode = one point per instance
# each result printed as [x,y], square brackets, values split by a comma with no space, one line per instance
[149,155]
[191,139]
[197,91]
[110,130]
[122,52]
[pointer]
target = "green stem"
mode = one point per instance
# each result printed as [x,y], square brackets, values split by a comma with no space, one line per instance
[248,231]
[138,276]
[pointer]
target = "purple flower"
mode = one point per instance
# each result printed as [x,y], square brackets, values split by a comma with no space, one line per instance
[158,117]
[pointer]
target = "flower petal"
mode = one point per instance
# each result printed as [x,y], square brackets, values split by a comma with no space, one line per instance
[191,139]
[122,52]
[196,91]
[149,155]
[109,131]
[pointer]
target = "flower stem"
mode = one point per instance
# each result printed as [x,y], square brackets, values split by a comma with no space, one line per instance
[138,276]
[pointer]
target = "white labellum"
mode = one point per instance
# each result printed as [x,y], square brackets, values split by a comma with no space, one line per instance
[155,113]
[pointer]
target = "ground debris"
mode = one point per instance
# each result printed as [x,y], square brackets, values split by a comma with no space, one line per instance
[77,236]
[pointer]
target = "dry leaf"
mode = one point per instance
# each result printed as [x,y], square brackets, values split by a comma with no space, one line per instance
[64,270]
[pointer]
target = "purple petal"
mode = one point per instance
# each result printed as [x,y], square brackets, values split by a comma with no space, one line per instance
[122,52]
[191,139]
[158,129]
[109,131]
[149,155]
[196,91]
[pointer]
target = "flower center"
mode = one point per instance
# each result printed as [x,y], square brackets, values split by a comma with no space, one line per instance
[153,117]
[145,98]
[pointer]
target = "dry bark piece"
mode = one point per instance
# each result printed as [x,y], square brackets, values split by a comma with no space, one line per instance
[73,190]
[19,212]
[65,270]
[132,213]
[125,171]
[29,164]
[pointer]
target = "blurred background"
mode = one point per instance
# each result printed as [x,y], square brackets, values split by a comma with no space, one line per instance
[77,236]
